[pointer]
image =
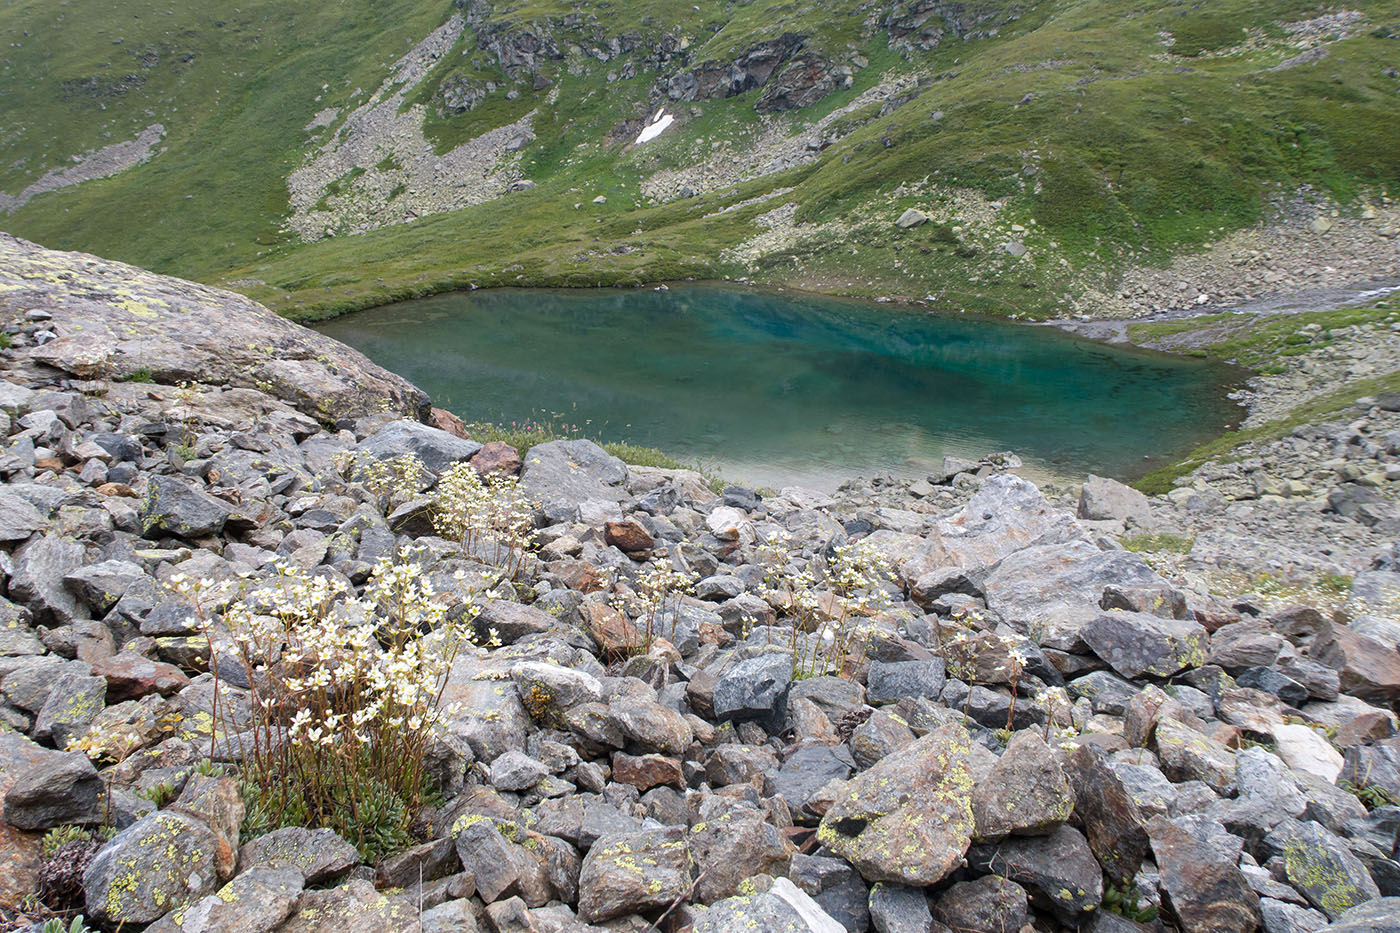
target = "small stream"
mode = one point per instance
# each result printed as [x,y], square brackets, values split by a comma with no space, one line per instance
[775,388]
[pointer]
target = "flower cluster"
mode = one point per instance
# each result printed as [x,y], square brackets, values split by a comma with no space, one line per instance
[347,692]
[654,604]
[391,481]
[828,597]
[491,517]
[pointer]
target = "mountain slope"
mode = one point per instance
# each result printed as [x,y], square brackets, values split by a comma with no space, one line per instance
[323,157]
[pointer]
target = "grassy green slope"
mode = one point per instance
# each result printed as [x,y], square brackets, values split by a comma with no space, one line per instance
[1075,115]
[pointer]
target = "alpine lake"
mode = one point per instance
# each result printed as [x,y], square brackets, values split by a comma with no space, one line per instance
[773,388]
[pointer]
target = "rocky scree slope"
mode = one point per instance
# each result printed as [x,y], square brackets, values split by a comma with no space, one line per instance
[1053,156]
[1032,727]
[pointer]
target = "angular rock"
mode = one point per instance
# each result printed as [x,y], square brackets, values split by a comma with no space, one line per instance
[515,770]
[73,703]
[175,506]
[437,449]
[908,819]
[37,579]
[1058,869]
[1368,669]
[754,689]
[319,854]
[1321,866]
[634,873]
[647,771]
[783,908]
[1138,643]
[158,864]
[18,517]
[501,868]
[806,771]
[354,907]
[988,903]
[628,536]
[561,475]
[835,886]
[1201,881]
[129,676]
[102,585]
[732,847]
[1025,792]
[895,908]
[1104,499]
[651,726]
[257,901]
[56,789]
[1188,755]
[889,681]
[497,458]
[218,804]
[1111,819]
[1378,916]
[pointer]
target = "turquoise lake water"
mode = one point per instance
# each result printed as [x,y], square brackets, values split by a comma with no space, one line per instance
[776,388]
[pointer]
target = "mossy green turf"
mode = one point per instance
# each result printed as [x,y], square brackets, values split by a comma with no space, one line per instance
[1076,114]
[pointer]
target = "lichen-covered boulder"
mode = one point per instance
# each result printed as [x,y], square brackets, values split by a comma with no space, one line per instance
[178,331]
[162,861]
[1320,865]
[909,818]
[633,873]
[1025,793]
[319,854]
[354,907]
[783,908]
[257,901]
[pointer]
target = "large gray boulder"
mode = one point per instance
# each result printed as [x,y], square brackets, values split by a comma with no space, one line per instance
[18,517]
[561,475]
[47,788]
[37,580]
[179,331]
[436,448]
[1138,643]
[1103,499]
[175,506]
[1006,515]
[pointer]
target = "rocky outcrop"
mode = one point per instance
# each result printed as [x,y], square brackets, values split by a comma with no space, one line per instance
[96,319]
[751,69]
[923,24]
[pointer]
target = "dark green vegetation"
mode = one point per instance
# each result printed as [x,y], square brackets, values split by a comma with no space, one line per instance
[776,389]
[1077,115]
